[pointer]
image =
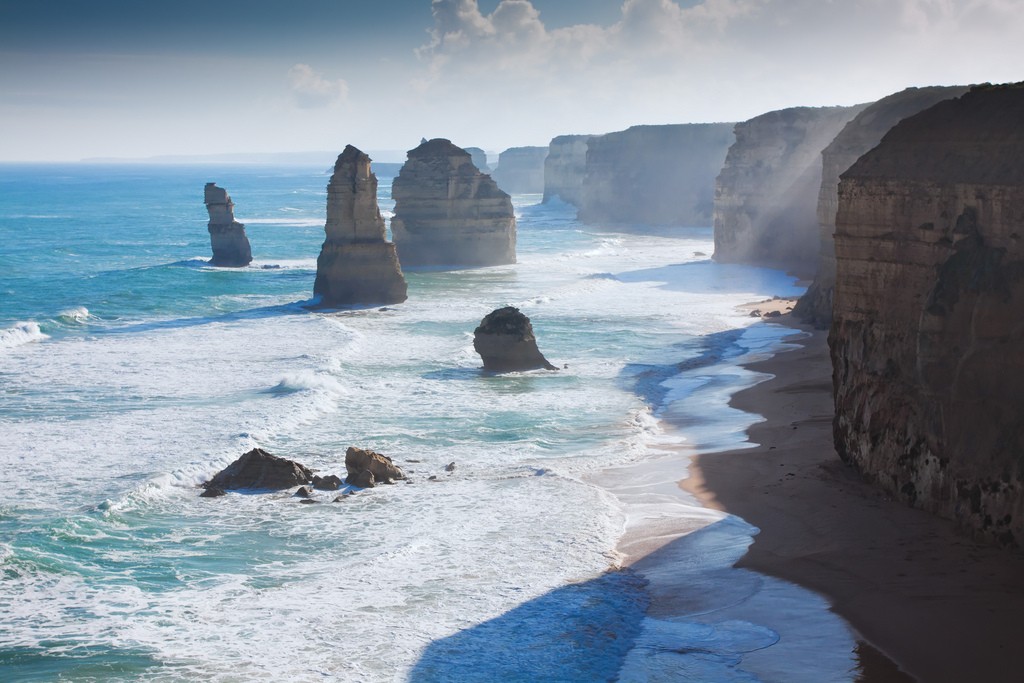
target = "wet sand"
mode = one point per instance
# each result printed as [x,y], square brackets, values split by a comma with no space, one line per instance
[940,605]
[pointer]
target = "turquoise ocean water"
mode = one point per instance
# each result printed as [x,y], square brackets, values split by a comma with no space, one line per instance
[131,371]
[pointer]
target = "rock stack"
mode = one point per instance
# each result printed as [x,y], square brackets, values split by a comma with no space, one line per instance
[506,343]
[227,236]
[356,265]
[521,170]
[927,339]
[448,213]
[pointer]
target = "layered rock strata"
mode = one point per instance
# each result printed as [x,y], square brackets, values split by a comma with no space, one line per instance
[927,340]
[505,341]
[654,175]
[858,136]
[356,266]
[565,167]
[230,245]
[766,195]
[521,170]
[448,213]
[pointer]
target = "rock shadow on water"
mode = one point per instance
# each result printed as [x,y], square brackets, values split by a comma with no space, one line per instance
[580,632]
[708,276]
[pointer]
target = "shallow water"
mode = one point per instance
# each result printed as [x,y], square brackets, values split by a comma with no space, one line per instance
[131,371]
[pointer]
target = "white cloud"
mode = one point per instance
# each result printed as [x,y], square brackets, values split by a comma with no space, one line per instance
[310,90]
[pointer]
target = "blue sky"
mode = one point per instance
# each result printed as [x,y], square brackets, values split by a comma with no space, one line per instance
[127,78]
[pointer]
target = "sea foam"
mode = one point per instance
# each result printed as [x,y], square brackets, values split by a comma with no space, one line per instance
[21,333]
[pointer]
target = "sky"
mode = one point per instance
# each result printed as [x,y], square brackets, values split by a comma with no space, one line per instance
[131,78]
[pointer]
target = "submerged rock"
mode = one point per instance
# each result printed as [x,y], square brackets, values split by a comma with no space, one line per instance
[366,467]
[356,264]
[505,342]
[448,213]
[258,470]
[227,236]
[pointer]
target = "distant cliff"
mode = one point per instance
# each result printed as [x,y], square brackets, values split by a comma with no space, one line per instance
[857,137]
[479,158]
[448,213]
[565,168]
[654,175]
[228,240]
[766,195]
[927,339]
[356,265]
[521,170]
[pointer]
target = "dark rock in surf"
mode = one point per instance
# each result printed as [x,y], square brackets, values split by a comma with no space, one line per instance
[506,343]
[227,236]
[331,482]
[259,470]
[366,468]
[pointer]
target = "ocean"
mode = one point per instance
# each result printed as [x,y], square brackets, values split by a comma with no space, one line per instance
[131,371]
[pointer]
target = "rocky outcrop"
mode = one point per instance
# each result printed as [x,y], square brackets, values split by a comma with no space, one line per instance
[927,339]
[479,158]
[506,343]
[367,468]
[857,137]
[565,167]
[356,264]
[227,236]
[258,470]
[654,175]
[448,213]
[521,170]
[766,195]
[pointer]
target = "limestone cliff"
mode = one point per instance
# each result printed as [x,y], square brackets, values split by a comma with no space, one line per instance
[766,195]
[479,158]
[448,213]
[227,236]
[927,339]
[857,137]
[565,167]
[654,175]
[356,265]
[521,170]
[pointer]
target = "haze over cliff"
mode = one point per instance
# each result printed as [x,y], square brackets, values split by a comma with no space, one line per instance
[927,339]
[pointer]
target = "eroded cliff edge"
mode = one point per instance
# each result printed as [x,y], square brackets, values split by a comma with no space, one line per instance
[565,167]
[356,264]
[654,175]
[857,137]
[927,340]
[521,170]
[767,192]
[448,213]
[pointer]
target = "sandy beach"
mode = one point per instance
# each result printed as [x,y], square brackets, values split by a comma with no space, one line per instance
[939,605]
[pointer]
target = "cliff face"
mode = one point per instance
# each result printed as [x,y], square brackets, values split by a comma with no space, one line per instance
[356,265]
[521,170]
[767,192]
[479,158]
[654,175]
[227,236]
[448,213]
[857,137]
[927,339]
[565,168]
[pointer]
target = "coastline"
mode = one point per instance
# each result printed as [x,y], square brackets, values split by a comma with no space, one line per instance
[937,604]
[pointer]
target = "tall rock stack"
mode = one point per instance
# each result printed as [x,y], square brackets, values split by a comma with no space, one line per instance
[356,264]
[565,167]
[857,137]
[448,213]
[927,339]
[521,170]
[227,236]
[766,195]
[654,175]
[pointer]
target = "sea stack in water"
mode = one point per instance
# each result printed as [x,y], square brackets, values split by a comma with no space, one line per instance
[258,470]
[448,213]
[927,339]
[227,236]
[506,343]
[356,264]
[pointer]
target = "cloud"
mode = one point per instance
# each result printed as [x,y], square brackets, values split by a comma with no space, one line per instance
[310,90]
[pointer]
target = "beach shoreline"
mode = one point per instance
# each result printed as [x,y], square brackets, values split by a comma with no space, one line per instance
[939,605]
